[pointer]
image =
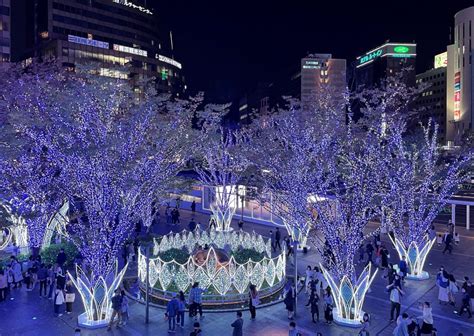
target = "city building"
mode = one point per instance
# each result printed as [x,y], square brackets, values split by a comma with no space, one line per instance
[121,36]
[317,71]
[5,38]
[432,100]
[386,60]
[460,75]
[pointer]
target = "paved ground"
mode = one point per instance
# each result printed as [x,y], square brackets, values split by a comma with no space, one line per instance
[26,314]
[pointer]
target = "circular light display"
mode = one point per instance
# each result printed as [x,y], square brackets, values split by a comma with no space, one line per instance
[401,49]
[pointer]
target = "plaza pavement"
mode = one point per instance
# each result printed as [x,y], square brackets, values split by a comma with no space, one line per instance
[28,315]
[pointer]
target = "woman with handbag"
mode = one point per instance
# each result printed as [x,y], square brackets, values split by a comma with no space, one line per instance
[70,296]
[58,302]
[254,301]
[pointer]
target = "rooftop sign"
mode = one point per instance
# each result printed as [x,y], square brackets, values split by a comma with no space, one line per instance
[130,50]
[168,60]
[135,6]
[401,50]
[441,60]
[88,42]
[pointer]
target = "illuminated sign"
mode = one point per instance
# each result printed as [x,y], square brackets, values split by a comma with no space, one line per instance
[134,6]
[88,42]
[441,60]
[311,64]
[130,50]
[405,50]
[169,61]
[457,96]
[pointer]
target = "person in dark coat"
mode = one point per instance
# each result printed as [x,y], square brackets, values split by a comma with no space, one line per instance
[290,301]
[314,302]
[61,258]
[237,325]
[384,257]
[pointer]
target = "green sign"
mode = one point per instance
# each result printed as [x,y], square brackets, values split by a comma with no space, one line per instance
[401,49]
[371,56]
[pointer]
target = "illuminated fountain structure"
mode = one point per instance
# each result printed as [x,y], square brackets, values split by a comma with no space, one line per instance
[349,296]
[225,279]
[415,254]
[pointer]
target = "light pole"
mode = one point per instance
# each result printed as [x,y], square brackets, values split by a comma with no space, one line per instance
[295,251]
[147,299]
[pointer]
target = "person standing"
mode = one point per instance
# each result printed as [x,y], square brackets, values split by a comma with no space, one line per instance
[192,225]
[60,279]
[293,331]
[124,315]
[17,272]
[58,302]
[193,206]
[195,296]
[3,285]
[402,326]
[290,301]
[196,330]
[181,309]
[442,282]
[238,325]
[272,240]
[61,258]
[254,301]
[308,278]
[427,319]
[277,239]
[42,278]
[51,280]
[314,305]
[171,312]
[395,301]
[328,304]
[369,249]
[453,289]
[116,309]
[448,240]
[403,266]
[70,296]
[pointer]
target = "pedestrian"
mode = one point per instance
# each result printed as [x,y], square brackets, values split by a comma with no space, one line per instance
[116,309]
[124,308]
[465,304]
[181,309]
[468,287]
[171,312]
[320,281]
[168,214]
[60,279]
[193,206]
[17,272]
[272,240]
[402,326]
[365,325]
[289,301]
[432,232]
[195,296]
[309,276]
[43,279]
[448,240]
[439,240]
[51,281]
[395,301]
[328,304]
[457,238]
[27,280]
[427,319]
[196,330]
[289,247]
[293,331]
[61,258]
[192,225]
[443,284]
[238,325]
[241,225]
[3,285]
[453,289]
[277,238]
[70,295]
[254,301]
[403,266]
[369,249]
[314,305]
[58,302]
[384,254]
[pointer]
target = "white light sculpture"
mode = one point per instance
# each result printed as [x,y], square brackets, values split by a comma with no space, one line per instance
[224,206]
[222,276]
[349,296]
[18,231]
[415,256]
[57,223]
[96,297]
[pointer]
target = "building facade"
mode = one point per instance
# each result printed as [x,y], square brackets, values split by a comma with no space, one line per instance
[121,36]
[318,71]
[432,100]
[5,28]
[460,75]
[384,61]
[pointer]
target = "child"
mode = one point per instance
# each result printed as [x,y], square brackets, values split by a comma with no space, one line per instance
[27,279]
[439,240]
[457,239]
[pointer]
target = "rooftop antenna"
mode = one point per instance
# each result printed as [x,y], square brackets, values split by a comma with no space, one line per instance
[172,44]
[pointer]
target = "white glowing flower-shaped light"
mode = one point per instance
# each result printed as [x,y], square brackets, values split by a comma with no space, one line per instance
[415,254]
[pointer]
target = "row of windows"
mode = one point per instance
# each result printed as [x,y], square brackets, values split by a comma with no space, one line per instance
[103,18]
[105,29]
[4,42]
[4,57]
[4,10]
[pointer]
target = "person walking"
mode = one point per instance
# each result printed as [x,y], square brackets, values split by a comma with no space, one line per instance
[395,301]
[58,302]
[453,289]
[465,304]
[426,327]
[403,267]
[193,206]
[328,304]
[17,272]
[195,296]
[171,312]
[43,279]
[384,255]
[308,278]
[70,296]
[116,309]
[124,315]
[254,301]
[181,309]
[369,249]
[365,325]
[443,284]
[277,239]
[289,301]
[238,325]
[61,258]
[314,305]
[448,240]
[402,326]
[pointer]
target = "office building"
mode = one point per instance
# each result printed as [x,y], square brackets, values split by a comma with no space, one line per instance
[120,36]
[384,61]
[460,75]
[5,38]
[318,71]
[432,100]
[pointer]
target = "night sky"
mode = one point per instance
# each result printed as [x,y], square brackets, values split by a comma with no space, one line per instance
[239,43]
